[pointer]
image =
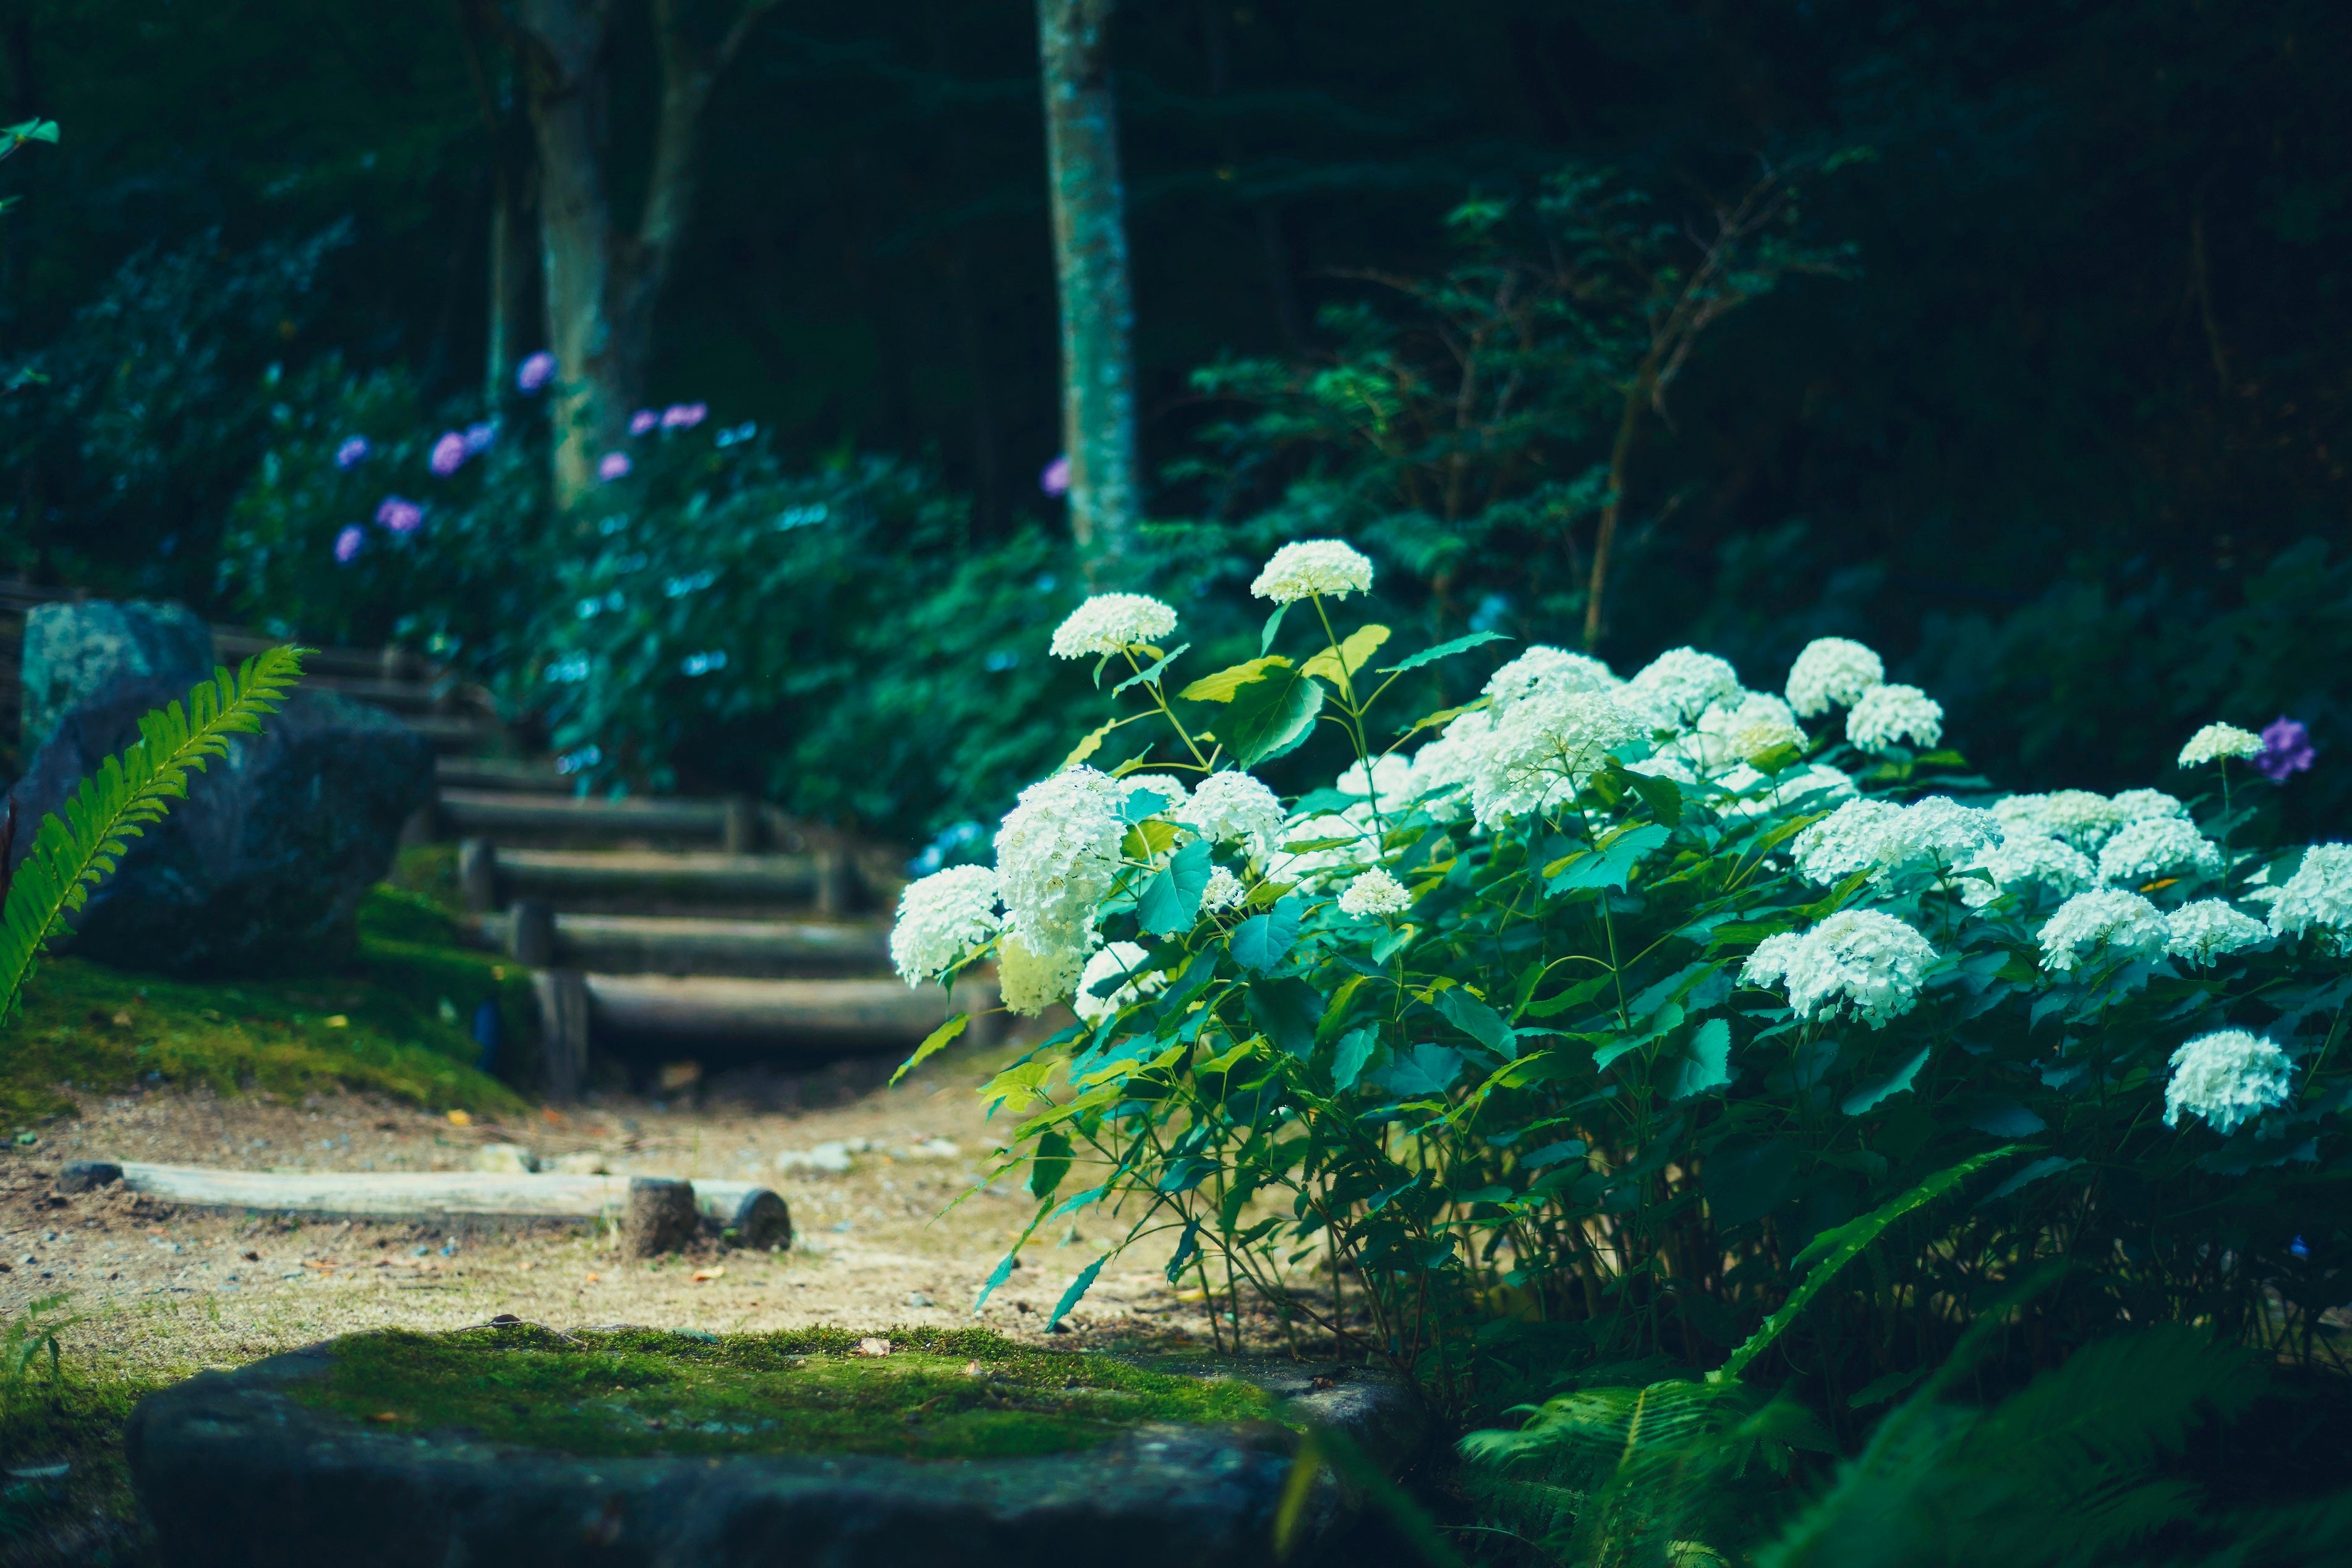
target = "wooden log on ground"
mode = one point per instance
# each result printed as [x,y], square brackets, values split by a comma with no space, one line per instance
[684,944]
[879,1012]
[756,1212]
[564,1019]
[660,1216]
[449,733]
[494,812]
[643,876]
[536,775]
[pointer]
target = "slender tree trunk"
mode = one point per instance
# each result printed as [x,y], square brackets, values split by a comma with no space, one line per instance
[602,280]
[1090,262]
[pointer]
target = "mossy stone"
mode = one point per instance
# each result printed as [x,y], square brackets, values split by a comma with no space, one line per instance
[520,1445]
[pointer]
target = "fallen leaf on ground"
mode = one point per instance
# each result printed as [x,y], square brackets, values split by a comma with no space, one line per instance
[702,1274]
[594,1278]
[385,1416]
[250,1257]
[459,1118]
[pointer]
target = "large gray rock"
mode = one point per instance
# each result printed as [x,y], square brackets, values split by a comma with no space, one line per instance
[72,651]
[263,865]
[235,1469]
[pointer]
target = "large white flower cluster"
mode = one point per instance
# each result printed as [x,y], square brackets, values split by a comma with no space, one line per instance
[2124,925]
[1540,752]
[1327,844]
[1552,670]
[1224,891]
[1881,838]
[1313,567]
[1672,689]
[1844,842]
[2216,742]
[2318,898]
[2076,816]
[1233,807]
[2154,847]
[1832,672]
[2023,860]
[1885,715]
[2229,1077]
[2208,929]
[943,919]
[1389,784]
[1109,622]
[1122,960]
[1858,960]
[1056,858]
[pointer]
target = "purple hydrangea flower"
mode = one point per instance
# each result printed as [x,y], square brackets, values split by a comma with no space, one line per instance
[643,420]
[351,452]
[684,416]
[349,544]
[479,436]
[448,454]
[536,371]
[2287,749]
[1056,479]
[612,466]
[400,516]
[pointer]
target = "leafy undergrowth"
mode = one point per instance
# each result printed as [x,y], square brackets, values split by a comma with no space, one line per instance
[962,1394]
[397,1019]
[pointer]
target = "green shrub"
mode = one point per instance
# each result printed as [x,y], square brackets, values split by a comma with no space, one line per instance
[1575,1034]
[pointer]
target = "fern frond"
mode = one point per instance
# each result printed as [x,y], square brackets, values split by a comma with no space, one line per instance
[74,853]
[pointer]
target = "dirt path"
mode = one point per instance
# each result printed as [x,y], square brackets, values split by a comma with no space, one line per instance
[168,1292]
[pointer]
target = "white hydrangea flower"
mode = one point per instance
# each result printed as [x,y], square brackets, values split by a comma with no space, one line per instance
[1886,714]
[1740,728]
[2318,896]
[1845,841]
[1348,842]
[2145,805]
[1375,895]
[1769,964]
[1679,685]
[2076,816]
[1233,807]
[1857,960]
[1446,765]
[1816,785]
[2210,928]
[1030,981]
[1310,567]
[2229,1077]
[1224,891]
[2155,847]
[2125,924]
[1666,765]
[1833,671]
[1056,858]
[1166,787]
[1548,670]
[2216,741]
[1389,787]
[1120,958]
[1939,831]
[1542,750]
[944,920]
[1109,622]
[2023,859]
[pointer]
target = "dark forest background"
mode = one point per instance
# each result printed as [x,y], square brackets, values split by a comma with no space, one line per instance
[2065,436]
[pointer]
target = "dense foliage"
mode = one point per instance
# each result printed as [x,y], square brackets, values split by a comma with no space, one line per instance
[1583,1032]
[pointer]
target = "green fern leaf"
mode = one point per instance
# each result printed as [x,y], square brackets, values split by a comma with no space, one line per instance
[73,853]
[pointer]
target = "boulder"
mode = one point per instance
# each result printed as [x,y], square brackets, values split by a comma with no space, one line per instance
[72,651]
[263,865]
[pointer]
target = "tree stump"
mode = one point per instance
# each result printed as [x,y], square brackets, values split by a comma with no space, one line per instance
[661,1216]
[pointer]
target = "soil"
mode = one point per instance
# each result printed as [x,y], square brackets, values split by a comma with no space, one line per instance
[167,1293]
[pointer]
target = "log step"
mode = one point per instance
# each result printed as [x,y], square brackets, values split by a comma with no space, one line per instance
[421,1194]
[625,881]
[503,813]
[882,1014]
[684,944]
[537,775]
[450,732]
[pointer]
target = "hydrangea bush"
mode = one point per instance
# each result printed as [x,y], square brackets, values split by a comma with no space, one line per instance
[1587,1013]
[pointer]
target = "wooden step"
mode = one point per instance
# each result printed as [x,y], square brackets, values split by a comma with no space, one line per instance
[505,815]
[456,732]
[651,881]
[398,696]
[535,776]
[881,1014]
[232,644]
[680,945]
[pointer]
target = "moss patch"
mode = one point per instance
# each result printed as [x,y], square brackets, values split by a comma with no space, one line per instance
[963,1393]
[405,1004]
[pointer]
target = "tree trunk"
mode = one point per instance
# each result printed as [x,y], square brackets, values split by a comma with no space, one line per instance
[1090,262]
[602,282]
